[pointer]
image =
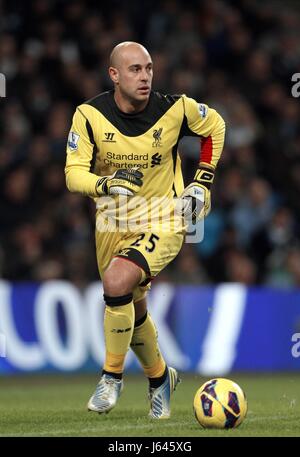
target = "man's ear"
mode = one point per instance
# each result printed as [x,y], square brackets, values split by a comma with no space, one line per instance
[114,74]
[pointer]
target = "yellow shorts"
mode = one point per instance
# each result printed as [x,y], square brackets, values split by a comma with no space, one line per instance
[152,252]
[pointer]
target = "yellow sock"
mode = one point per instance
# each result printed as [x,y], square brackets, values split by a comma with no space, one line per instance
[118,330]
[145,346]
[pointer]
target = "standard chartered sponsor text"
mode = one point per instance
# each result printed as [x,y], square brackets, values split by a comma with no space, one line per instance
[114,160]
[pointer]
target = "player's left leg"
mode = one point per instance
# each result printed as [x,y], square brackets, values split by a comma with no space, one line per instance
[145,345]
[162,379]
[153,252]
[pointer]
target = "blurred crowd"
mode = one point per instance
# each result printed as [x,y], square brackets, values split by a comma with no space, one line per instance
[236,56]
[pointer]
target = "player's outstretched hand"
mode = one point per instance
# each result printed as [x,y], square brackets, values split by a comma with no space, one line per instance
[122,182]
[197,200]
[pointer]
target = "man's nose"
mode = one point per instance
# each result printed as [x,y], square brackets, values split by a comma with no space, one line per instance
[144,75]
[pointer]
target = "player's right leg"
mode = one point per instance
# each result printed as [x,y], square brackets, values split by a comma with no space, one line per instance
[119,280]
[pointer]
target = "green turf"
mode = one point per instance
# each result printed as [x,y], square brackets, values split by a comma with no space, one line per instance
[55,406]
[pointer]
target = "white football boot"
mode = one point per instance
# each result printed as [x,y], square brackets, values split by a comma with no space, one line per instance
[106,394]
[160,397]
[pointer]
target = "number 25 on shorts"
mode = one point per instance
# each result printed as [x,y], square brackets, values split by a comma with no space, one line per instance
[150,243]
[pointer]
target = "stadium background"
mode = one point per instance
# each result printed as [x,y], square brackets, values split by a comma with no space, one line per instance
[237,56]
[230,303]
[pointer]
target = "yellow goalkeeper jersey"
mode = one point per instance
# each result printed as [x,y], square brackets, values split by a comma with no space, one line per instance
[104,139]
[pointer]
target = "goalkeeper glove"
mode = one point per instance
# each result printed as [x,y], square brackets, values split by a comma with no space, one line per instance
[197,194]
[122,182]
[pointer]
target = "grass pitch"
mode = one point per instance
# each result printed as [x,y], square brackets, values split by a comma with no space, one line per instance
[56,406]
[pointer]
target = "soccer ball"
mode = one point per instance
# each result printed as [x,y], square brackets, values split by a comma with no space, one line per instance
[220,403]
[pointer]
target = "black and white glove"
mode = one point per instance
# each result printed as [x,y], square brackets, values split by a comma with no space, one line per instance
[122,182]
[196,196]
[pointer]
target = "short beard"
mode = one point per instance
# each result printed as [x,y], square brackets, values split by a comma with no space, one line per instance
[136,103]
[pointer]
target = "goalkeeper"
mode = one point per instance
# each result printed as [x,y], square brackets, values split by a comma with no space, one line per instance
[121,150]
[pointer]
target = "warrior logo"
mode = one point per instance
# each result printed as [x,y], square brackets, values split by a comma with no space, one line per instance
[109,137]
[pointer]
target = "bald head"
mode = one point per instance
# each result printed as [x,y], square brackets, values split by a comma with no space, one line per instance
[127,50]
[131,72]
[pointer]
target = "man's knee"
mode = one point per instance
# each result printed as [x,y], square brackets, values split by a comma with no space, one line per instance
[120,278]
[115,285]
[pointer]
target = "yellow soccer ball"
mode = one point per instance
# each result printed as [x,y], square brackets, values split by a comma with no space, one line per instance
[220,403]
